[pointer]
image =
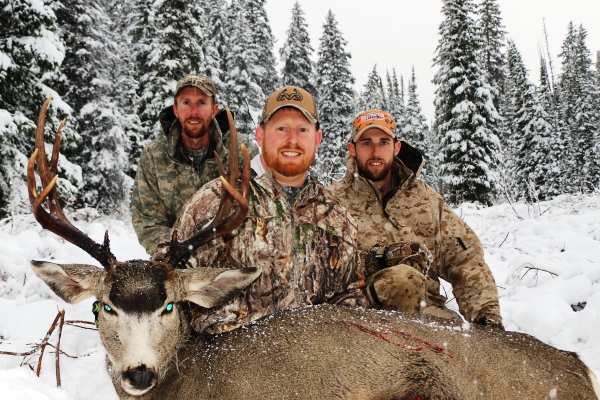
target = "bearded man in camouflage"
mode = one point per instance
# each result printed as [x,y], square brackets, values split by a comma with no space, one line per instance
[179,162]
[407,235]
[300,236]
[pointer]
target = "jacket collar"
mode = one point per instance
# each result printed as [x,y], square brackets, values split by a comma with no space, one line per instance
[311,191]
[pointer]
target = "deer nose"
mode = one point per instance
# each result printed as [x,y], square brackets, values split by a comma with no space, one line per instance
[140,378]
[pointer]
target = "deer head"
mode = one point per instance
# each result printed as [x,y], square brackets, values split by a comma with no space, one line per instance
[138,320]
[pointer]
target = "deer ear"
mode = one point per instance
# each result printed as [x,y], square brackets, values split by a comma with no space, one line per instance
[210,287]
[71,282]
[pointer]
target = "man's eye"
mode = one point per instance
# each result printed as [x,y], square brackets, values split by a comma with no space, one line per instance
[281,129]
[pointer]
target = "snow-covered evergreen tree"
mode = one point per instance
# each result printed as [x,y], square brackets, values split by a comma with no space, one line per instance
[492,55]
[373,94]
[215,47]
[579,105]
[395,96]
[123,76]
[552,166]
[530,132]
[414,127]
[296,54]
[91,57]
[169,49]
[464,109]
[263,43]
[244,93]
[335,100]
[30,54]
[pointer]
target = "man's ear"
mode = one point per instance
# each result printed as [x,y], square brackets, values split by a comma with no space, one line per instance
[175,110]
[352,149]
[214,111]
[260,135]
[397,148]
[318,138]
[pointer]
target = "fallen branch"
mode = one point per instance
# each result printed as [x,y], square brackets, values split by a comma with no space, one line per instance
[41,347]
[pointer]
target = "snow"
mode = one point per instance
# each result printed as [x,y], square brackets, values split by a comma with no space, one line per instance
[545,258]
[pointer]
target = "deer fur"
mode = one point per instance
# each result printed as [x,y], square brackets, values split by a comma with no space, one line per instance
[323,352]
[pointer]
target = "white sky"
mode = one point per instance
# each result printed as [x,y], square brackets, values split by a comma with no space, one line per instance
[403,33]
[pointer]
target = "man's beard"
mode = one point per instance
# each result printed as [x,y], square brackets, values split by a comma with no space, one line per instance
[196,131]
[375,176]
[287,168]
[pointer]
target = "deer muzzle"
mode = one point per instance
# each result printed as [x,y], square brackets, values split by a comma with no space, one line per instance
[137,381]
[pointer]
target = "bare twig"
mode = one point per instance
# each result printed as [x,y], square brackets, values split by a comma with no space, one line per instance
[60,321]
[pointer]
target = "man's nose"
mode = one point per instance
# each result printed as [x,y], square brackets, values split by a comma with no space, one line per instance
[292,136]
[376,150]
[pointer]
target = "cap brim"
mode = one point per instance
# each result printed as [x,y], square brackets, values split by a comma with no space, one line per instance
[381,128]
[309,117]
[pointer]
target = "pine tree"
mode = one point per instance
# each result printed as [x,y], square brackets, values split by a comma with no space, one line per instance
[414,129]
[395,95]
[30,54]
[263,43]
[530,132]
[244,93]
[464,109]
[579,105]
[492,56]
[296,54]
[90,59]
[170,49]
[335,100]
[553,163]
[123,76]
[215,47]
[373,94]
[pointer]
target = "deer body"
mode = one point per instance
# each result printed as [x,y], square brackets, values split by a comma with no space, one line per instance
[314,352]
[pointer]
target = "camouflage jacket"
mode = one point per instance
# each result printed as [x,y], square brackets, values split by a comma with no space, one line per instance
[306,251]
[165,180]
[415,211]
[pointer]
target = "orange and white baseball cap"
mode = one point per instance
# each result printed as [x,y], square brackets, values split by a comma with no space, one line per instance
[373,119]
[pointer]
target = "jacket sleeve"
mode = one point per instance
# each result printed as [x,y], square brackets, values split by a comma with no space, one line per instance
[464,267]
[195,213]
[148,211]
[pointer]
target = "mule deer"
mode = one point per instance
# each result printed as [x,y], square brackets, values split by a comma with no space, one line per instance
[313,352]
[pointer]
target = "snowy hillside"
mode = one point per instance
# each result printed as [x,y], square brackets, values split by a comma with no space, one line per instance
[545,257]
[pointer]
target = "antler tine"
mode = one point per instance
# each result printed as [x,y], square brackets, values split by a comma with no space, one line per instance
[55,221]
[224,221]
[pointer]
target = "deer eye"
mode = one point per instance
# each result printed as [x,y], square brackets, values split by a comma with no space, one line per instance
[109,309]
[169,308]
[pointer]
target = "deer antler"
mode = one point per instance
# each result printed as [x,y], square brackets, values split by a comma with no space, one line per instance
[225,220]
[55,220]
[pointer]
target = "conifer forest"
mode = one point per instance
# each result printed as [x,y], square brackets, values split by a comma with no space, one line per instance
[500,133]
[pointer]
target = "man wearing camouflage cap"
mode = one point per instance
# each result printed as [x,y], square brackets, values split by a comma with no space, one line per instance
[179,162]
[407,235]
[300,236]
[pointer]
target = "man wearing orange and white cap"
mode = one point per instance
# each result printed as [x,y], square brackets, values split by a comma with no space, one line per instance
[407,235]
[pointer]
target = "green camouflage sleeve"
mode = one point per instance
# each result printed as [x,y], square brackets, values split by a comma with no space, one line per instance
[465,268]
[148,212]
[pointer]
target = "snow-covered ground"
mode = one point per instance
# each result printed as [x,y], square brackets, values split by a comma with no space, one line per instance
[545,257]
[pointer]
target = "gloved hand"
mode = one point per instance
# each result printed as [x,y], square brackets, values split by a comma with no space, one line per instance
[410,253]
[490,321]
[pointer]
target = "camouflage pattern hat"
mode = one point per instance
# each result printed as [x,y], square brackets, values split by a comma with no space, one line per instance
[290,96]
[199,81]
[373,119]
